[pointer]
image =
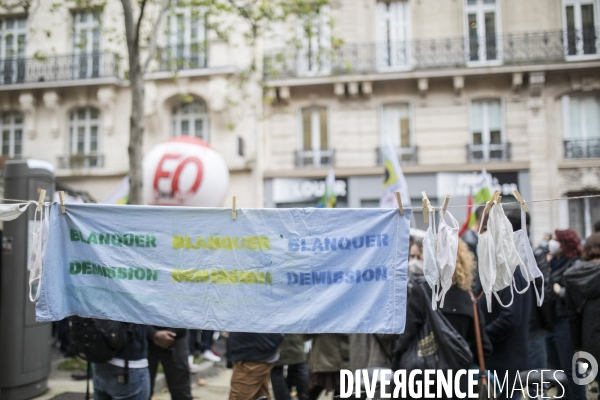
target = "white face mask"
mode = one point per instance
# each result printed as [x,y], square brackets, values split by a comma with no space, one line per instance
[486,251]
[38,249]
[529,267]
[9,212]
[507,257]
[416,266]
[447,250]
[553,246]
[430,268]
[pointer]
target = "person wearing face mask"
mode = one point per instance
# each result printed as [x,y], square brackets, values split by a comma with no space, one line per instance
[415,264]
[583,299]
[544,243]
[564,250]
[457,308]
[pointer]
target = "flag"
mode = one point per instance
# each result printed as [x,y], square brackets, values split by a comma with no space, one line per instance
[467,222]
[393,179]
[328,199]
[120,194]
[480,194]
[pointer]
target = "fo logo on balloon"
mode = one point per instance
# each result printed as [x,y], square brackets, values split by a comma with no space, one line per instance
[185,171]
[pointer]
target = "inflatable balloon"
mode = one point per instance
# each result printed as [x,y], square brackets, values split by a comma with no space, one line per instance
[185,171]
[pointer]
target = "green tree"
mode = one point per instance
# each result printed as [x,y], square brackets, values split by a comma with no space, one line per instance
[142,28]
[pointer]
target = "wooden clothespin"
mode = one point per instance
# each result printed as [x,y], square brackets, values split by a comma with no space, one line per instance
[41,200]
[426,207]
[399,200]
[520,200]
[234,208]
[445,205]
[61,196]
[491,202]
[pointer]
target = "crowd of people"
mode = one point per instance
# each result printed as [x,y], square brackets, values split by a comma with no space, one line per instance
[520,336]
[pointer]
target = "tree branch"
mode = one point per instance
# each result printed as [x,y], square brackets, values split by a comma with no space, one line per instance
[139,23]
[155,34]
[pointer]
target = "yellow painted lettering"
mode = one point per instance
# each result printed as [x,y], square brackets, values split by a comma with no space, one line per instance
[222,276]
[213,242]
[233,276]
[177,275]
[226,243]
[178,242]
[263,243]
[189,245]
[252,243]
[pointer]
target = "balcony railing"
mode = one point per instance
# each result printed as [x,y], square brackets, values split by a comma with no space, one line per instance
[488,152]
[517,48]
[406,155]
[587,148]
[177,58]
[315,158]
[58,68]
[81,161]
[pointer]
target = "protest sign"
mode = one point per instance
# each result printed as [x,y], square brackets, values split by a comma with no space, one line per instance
[270,270]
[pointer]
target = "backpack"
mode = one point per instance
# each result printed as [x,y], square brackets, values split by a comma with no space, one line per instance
[98,340]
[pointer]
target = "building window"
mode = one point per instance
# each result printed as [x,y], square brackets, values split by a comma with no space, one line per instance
[487,136]
[84,136]
[580,27]
[395,125]
[483,30]
[11,127]
[581,126]
[13,40]
[584,213]
[185,40]
[87,43]
[315,150]
[392,33]
[191,119]
[314,56]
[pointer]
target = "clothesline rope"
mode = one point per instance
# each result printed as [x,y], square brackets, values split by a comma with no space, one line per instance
[421,208]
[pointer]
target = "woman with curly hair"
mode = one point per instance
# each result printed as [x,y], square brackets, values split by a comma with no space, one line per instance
[458,309]
[564,251]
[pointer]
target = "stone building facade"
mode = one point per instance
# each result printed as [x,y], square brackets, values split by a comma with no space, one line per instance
[457,86]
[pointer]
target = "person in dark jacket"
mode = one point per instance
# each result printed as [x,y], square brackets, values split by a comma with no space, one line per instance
[458,310]
[539,320]
[253,356]
[126,375]
[564,252]
[583,298]
[508,329]
[170,347]
[292,354]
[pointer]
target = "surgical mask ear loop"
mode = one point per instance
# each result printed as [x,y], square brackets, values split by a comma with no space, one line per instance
[540,298]
[35,262]
[436,288]
[523,267]
[502,218]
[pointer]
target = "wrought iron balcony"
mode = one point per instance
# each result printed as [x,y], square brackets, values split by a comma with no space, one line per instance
[177,58]
[587,148]
[315,158]
[58,68]
[488,152]
[81,161]
[510,48]
[406,155]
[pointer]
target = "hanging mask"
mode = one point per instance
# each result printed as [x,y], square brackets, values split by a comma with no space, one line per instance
[447,250]
[507,258]
[486,251]
[430,268]
[38,249]
[8,212]
[529,268]
[553,246]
